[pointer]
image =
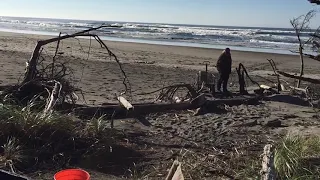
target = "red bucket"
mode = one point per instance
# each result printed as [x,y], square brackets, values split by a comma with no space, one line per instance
[72,174]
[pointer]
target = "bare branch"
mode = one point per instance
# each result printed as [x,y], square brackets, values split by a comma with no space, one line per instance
[55,55]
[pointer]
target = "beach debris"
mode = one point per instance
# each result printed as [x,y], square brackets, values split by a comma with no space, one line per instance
[241,70]
[10,176]
[55,94]
[47,82]
[279,86]
[205,79]
[175,172]
[125,103]
[307,79]
[268,171]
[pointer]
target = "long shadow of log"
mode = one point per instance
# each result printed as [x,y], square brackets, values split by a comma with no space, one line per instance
[288,99]
[115,111]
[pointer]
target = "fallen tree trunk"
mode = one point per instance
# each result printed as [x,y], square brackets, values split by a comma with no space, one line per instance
[315,81]
[147,108]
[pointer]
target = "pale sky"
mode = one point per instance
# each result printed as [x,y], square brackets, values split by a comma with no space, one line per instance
[264,13]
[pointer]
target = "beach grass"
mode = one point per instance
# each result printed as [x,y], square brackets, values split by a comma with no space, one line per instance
[30,141]
[295,157]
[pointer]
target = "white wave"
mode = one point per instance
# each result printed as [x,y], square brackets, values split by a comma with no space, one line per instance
[74,24]
[247,37]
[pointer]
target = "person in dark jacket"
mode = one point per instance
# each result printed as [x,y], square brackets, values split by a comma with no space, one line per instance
[224,68]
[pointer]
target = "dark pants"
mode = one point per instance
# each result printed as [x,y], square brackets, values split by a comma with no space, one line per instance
[223,79]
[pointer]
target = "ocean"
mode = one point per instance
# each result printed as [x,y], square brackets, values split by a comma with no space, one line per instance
[260,39]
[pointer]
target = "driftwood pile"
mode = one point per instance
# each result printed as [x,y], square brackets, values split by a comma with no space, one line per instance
[47,84]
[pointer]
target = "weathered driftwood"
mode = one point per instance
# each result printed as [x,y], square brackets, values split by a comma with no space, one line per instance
[269,88]
[274,68]
[31,66]
[268,171]
[147,108]
[316,58]
[242,82]
[53,98]
[241,70]
[175,172]
[5,175]
[126,104]
[299,89]
[265,87]
[315,81]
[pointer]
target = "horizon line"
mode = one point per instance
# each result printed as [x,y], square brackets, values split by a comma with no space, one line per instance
[145,22]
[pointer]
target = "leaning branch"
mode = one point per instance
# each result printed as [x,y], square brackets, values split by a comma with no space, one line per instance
[315,81]
[317,58]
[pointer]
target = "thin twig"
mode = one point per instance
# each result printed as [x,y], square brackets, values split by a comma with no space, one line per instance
[54,57]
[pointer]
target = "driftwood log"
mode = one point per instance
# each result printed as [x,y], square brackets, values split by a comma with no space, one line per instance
[274,68]
[5,175]
[311,80]
[241,70]
[53,98]
[140,109]
[125,103]
[175,172]
[268,171]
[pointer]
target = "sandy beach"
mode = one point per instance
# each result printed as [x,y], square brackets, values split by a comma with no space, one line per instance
[147,66]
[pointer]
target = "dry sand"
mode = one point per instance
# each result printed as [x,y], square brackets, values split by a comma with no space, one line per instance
[150,67]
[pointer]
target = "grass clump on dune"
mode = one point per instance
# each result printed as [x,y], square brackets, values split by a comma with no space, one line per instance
[30,141]
[298,157]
